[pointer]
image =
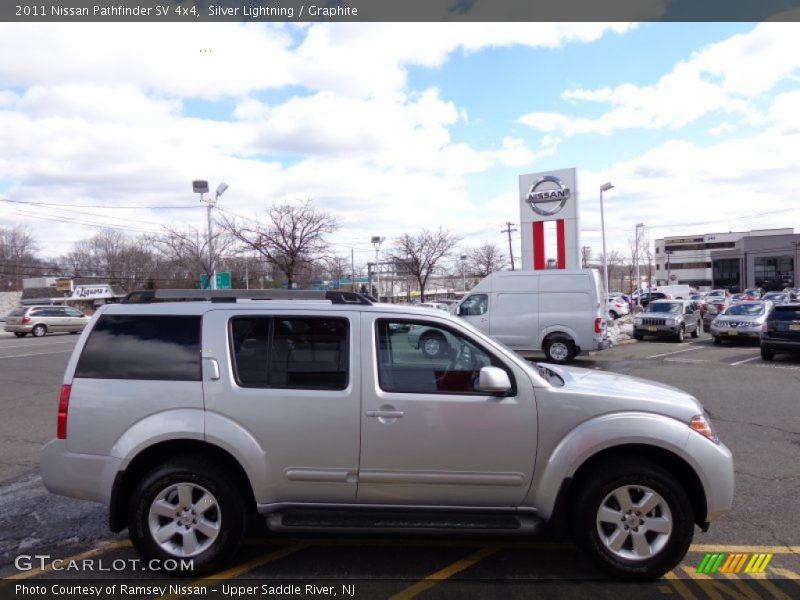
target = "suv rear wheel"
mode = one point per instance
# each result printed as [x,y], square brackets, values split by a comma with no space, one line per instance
[634,519]
[20,333]
[186,509]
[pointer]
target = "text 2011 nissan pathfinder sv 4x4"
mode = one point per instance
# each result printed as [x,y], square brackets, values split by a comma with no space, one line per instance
[188,418]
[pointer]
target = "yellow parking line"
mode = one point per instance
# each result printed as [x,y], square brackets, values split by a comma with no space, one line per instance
[773,590]
[75,557]
[785,573]
[679,586]
[732,548]
[243,568]
[446,573]
[742,586]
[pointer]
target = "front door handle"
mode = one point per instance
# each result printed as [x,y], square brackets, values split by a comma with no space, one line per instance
[385,414]
[212,368]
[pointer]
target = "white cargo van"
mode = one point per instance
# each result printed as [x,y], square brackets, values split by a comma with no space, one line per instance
[558,312]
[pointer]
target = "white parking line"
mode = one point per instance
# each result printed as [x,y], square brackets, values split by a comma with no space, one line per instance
[685,360]
[741,362]
[47,345]
[675,352]
[35,354]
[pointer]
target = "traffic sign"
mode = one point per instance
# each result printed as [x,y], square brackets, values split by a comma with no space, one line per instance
[223,281]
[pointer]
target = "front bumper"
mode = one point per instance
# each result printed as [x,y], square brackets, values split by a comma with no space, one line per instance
[657,330]
[714,466]
[748,333]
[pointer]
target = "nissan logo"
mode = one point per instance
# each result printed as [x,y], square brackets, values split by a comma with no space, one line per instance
[545,199]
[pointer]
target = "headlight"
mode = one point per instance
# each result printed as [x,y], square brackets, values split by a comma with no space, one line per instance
[702,425]
[670,322]
[637,321]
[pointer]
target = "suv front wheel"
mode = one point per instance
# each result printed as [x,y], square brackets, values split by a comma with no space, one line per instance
[187,510]
[634,519]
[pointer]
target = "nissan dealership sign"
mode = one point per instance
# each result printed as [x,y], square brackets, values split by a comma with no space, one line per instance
[548,195]
[548,206]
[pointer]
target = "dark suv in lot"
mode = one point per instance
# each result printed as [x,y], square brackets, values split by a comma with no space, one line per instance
[781,331]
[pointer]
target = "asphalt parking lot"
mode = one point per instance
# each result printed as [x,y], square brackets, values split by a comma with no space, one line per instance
[755,407]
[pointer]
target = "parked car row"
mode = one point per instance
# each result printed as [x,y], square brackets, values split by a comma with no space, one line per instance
[775,326]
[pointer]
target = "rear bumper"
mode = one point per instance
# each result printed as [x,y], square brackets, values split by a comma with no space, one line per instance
[84,476]
[780,344]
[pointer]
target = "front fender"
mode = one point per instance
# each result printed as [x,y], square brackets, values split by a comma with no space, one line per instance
[596,435]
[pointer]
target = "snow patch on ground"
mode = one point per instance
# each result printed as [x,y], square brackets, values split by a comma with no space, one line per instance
[620,330]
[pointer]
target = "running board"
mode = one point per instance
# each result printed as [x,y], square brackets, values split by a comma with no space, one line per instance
[351,521]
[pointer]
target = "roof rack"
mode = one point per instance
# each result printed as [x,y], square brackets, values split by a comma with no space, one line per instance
[334,296]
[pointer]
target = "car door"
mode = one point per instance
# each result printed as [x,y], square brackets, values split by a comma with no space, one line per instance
[291,386]
[428,436]
[475,310]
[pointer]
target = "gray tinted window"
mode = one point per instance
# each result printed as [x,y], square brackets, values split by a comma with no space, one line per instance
[290,352]
[142,347]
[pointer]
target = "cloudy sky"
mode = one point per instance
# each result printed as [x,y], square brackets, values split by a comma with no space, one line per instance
[396,127]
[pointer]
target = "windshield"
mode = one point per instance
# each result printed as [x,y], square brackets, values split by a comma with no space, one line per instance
[746,309]
[777,297]
[672,308]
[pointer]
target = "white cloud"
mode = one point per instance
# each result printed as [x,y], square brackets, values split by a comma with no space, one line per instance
[727,77]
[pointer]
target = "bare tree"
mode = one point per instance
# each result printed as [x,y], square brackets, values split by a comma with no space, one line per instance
[111,256]
[18,258]
[291,239]
[586,256]
[421,253]
[184,256]
[485,260]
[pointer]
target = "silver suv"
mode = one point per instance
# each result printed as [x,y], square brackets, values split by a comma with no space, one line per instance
[668,318]
[189,418]
[41,320]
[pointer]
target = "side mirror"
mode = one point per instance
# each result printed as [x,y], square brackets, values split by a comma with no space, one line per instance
[494,381]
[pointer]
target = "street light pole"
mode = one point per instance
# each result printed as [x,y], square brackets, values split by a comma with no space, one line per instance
[377,241]
[604,188]
[638,278]
[464,272]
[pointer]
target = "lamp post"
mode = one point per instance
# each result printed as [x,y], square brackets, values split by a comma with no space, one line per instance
[604,188]
[200,186]
[377,241]
[464,272]
[638,278]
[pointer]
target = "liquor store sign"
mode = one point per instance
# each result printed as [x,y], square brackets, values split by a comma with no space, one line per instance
[92,292]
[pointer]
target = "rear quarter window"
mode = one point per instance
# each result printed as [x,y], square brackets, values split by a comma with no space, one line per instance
[142,347]
[781,313]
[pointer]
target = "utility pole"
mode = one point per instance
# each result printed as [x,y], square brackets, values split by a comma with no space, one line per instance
[508,230]
[352,270]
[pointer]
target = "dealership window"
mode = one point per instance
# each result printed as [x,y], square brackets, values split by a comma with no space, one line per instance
[774,272]
[727,273]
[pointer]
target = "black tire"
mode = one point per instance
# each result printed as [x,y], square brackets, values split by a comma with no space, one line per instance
[681,335]
[613,314]
[433,345]
[767,353]
[696,332]
[716,340]
[228,514]
[638,336]
[20,333]
[559,350]
[632,475]
[39,330]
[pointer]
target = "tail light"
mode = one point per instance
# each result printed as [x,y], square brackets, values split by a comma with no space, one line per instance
[63,409]
[25,320]
[598,325]
[668,297]
[720,307]
[765,326]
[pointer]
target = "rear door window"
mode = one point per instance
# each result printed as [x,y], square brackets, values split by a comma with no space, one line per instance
[291,352]
[157,347]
